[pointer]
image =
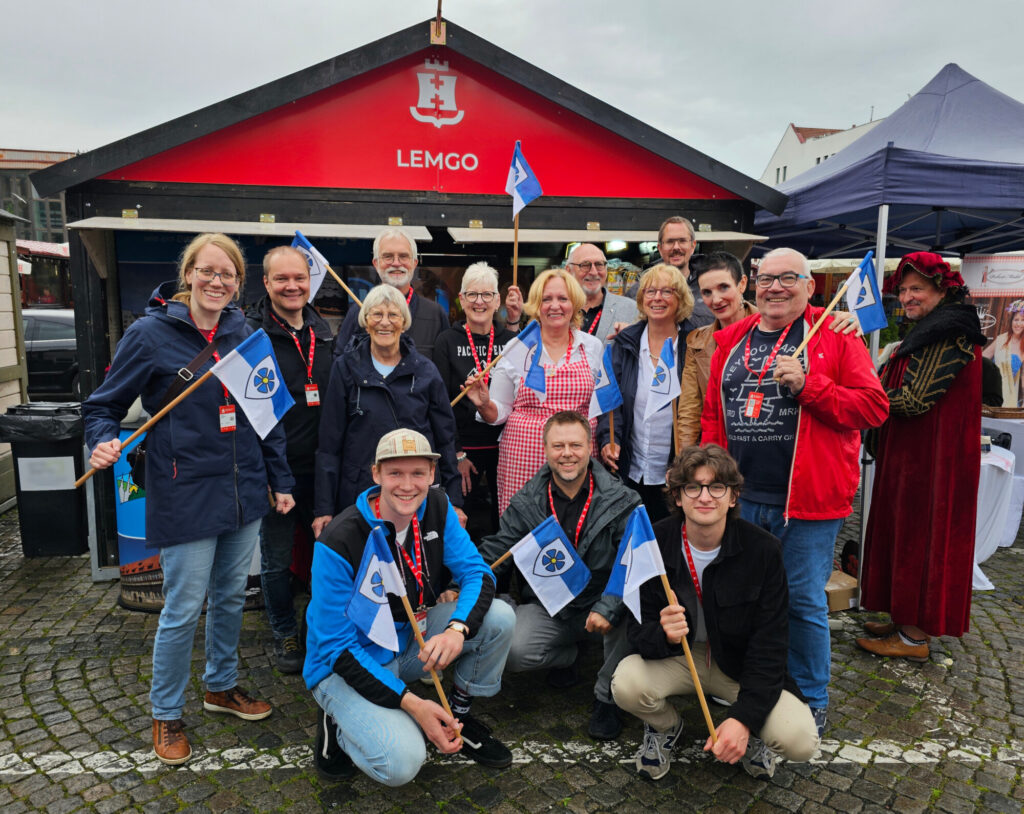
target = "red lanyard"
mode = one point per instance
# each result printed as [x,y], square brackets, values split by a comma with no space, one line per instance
[208,336]
[593,325]
[568,354]
[490,350]
[583,514]
[693,569]
[415,565]
[771,356]
[295,339]
[408,296]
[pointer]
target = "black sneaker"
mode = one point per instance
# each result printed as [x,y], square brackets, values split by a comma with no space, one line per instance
[561,678]
[288,655]
[332,764]
[605,724]
[479,744]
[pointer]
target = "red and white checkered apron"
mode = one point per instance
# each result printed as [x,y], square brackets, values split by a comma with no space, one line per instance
[521,448]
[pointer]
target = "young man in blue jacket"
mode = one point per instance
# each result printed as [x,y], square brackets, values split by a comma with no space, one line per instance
[368,715]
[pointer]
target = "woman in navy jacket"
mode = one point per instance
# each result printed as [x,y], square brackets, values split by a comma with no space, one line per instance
[206,481]
[381,384]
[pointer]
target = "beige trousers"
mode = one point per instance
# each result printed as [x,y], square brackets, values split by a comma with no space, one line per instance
[642,687]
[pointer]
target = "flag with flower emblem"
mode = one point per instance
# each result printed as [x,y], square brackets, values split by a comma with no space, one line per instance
[551,566]
[378,576]
[252,376]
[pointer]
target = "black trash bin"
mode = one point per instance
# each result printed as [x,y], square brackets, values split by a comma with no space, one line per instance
[46,439]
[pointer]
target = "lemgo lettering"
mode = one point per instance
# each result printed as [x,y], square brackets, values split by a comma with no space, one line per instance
[449,161]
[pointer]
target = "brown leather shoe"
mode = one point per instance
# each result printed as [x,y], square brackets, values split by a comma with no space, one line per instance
[894,647]
[237,702]
[170,742]
[880,628]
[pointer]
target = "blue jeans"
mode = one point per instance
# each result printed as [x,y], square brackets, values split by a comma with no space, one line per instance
[217,567]
[277,536]
[387,744]
[808,548]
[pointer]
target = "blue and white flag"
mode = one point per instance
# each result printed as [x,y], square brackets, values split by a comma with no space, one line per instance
[523,353]
[863,297]
[251,374]
[522,184]
[547,560]
[317,262]
[639,559]
[664,383]
[377,577]
[607,395]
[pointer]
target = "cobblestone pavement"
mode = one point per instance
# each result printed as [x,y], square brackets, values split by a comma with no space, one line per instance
[75,725]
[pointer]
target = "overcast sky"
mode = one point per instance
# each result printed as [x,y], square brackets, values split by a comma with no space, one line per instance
[724,77]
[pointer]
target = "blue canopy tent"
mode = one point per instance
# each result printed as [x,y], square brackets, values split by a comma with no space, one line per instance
[944,173]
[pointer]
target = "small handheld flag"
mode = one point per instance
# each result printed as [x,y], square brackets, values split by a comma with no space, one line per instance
[639,559]
[551,566]
[377,577]
[665,382]
[317,262]
[863,297]
[251,374]
[522,184]
[607,395]
[523,352]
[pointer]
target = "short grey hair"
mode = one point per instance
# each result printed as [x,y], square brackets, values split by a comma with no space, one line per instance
[805,264]
[385,294]
[479,273]
[394,231]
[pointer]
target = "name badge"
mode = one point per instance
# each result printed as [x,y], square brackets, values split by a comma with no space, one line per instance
[421,621]
[752,407]
[228,419]
[312,395]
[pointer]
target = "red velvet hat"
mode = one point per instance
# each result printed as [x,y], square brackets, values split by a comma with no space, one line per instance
[927,264]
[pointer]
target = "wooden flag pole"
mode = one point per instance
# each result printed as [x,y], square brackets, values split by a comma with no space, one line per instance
[501,559]
[423,644]
[348,290]
[145,427]
[821,319]
[671,595]
[515,250]
[611,426]
[483,372]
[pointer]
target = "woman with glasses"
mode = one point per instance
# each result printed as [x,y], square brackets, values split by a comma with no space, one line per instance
[207,476]
[469,347]
[569,358]
[644,448]
[383,383]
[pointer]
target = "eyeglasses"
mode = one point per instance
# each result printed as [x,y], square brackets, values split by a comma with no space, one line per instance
[207,274]
[787,279]
[404,258]
[479,296]
[694,490]
[586,265]
[664,293]
[381,316]
[676,241]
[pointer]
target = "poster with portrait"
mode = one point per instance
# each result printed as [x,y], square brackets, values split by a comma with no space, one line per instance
[996,283]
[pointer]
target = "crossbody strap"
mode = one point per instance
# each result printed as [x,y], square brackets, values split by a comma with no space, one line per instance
[187,373]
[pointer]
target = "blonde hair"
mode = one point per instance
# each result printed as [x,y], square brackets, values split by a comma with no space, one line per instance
[576,295]
[188,262]
[678,283]
[384,293]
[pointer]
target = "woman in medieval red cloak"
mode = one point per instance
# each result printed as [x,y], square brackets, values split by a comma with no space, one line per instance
[919,549]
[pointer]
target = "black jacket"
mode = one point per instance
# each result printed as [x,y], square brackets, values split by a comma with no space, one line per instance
[301,422]
[599,540]
[428,321]
[626,364]
[746,613]
[361,406]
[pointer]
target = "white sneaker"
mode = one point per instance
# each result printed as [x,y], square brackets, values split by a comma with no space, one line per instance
[760,760]
[655,755]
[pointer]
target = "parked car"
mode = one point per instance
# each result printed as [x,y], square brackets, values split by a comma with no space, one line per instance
[52,353]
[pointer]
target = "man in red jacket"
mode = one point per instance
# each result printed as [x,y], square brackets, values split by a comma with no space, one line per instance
[793,425]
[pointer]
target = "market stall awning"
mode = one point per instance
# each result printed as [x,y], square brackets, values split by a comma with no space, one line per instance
[462,234]
[358,231]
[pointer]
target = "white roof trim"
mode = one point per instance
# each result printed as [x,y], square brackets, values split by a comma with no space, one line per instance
[461,234]
[238,227]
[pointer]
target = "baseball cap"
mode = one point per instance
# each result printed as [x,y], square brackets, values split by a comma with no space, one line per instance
[403,443]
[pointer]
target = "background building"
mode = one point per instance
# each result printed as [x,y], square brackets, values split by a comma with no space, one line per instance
[44,216]
[804,147]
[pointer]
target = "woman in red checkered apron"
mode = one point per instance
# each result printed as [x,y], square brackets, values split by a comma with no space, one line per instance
[569,357]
